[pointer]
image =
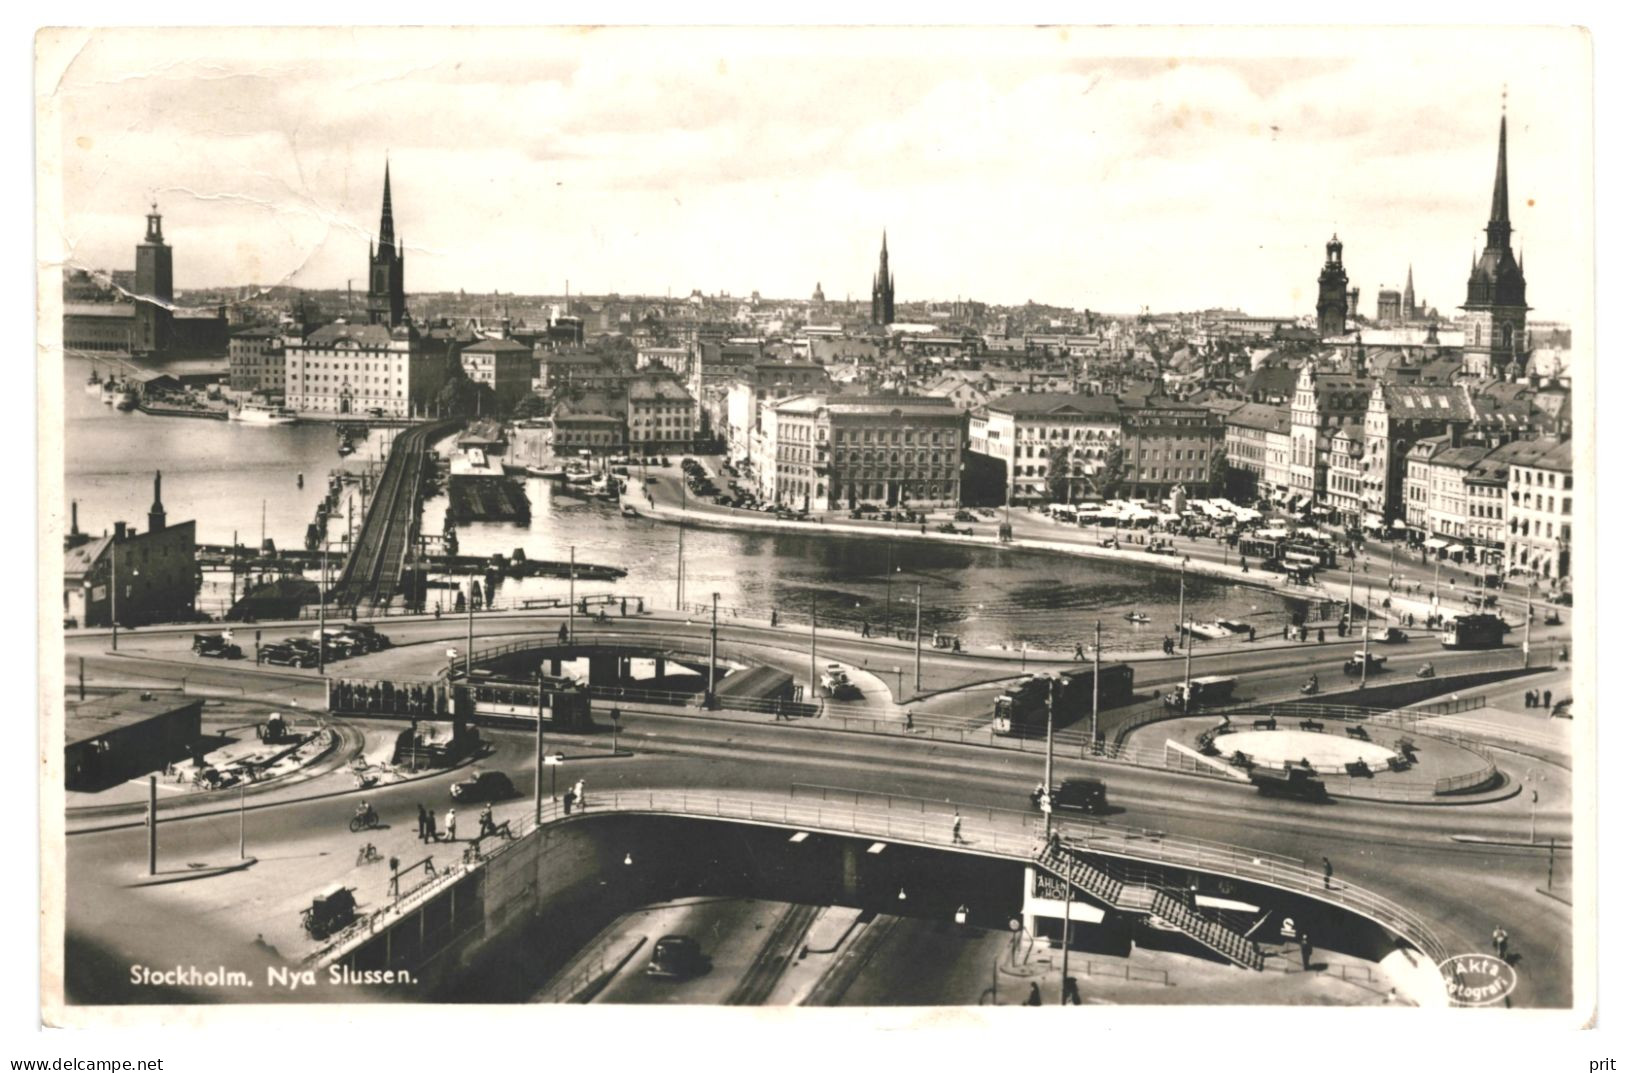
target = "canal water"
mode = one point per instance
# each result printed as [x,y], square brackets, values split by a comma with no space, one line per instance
[227,475]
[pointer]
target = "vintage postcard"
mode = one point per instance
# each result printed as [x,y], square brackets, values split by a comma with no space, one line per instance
[817,517]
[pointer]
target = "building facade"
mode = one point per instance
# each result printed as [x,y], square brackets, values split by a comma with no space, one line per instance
[1322,403]
[1167,444]
[362,369]
[1540,508]
[256,361]
[502,365]
[140,578]
[1030,433]
[828,453]
[660,416]
[1258,440]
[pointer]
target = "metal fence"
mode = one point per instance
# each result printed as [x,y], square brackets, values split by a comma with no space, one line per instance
[990,831]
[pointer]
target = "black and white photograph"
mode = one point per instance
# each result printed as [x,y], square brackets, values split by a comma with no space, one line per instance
[863,517]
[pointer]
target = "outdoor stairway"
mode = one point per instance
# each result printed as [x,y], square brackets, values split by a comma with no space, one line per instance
[1060,862]
[1222,940]
[1210,933]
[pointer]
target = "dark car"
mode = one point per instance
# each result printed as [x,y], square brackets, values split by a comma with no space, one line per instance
[1393,635]
[677,957]
[1373,663]
[1079,795]
[215,646]
[484,786]
[286,655]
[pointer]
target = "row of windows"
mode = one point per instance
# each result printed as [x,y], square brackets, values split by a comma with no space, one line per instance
[1541,478]
[905,435]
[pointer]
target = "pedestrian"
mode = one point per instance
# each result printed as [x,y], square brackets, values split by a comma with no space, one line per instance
[1499,937]
[623,607]
[640,605]
[451,825]
[581,794]
[773,617]
[1305,949]
[1528,698]
[423,823]
[908,721]
[1321,635]
[564,634]
[1033,997]
[1070,995]
[865,627]
[1077,652]
[1325,861]
[1546,699]
[1286,632]
[429,833]
[488,825]
[569,800]
[958,838]
[1252,633]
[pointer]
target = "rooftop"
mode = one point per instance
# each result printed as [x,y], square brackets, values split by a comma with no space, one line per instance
[96,718]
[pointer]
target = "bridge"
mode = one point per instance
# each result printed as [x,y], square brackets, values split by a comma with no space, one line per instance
[1136,874]
[372,572]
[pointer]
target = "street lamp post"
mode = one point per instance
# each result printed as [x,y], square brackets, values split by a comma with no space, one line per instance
[1049,756]
[321,617]
[540,753]
[711,668]
[812,665]
[468,654]
[112,589]
[1365,636]
[917,638]
[1182,563]
[572,611]
[1094,709]
[1528,617]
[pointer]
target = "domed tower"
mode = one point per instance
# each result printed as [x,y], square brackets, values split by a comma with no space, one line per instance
[1333,308]
[1496,337]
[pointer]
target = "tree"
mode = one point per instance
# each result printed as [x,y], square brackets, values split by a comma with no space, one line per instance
[530,406]
[1060,482]
[461,397]
[1218,470]
[1111,473]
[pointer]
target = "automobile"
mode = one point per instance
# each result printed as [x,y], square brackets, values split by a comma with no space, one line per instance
[286,655]
[677,957]
[1393,635]
[215,646]
[1372,662]
[1079,795]
[725,501]
[964,516]
[483,786]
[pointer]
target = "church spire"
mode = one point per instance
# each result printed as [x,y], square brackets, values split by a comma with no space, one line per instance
[386,222]
[1500,226]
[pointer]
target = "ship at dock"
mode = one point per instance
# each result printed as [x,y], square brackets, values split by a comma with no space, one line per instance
[260,413]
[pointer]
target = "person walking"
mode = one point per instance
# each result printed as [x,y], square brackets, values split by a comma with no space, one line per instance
[1546,699]
[908,722]
[1252,634]
[1033,997]
[581,794]
[451,825]
[958,822]
[423,824]
[1322,635]
[1325,861]
[1499,938]
[569,800]
[1305,949]
[429,832]
[1070,996]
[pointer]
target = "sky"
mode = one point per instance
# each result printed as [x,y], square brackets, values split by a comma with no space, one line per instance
[1092,168]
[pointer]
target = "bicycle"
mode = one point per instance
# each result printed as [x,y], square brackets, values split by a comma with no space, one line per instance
[368,854]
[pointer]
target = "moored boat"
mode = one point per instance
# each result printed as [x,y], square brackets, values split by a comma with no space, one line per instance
[260,413]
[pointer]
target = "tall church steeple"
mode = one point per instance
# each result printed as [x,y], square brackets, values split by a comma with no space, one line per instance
[1496,341]
[883,295]
[386,268]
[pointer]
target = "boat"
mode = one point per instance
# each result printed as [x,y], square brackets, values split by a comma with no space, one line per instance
[1138,617]
[260,413]
[629,511]
[126,400]
[551,473]
[575,473]
[109,391]
[346,448]
[93,386]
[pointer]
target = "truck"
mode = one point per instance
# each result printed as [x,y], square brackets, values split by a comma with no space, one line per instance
[1023,707]
[1473,631]
[1294,781]
[1209,689]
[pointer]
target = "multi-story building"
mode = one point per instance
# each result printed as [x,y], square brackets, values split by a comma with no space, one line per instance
[1345,474]
[1396,417]
[1486,504]
[362,369]
[591,421]
[1448,514]
[1167,444]
[1540,507]
[140,577]
[660,415]
[563,371]
[1322,403]
[1030,433]
[826,452]
[1258,441]
[673,359]
[502,365]
[256,361]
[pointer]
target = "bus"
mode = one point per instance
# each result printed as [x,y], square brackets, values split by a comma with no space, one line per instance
[1474,631]
[1022,708]
[1209,689]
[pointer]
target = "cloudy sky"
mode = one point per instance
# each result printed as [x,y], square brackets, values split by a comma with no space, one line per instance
[1108,169]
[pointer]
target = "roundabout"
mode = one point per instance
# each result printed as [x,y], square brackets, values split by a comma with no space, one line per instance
[1322,750]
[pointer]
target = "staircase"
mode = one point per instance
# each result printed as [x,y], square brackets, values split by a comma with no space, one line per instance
[1210,933]
[1222,940]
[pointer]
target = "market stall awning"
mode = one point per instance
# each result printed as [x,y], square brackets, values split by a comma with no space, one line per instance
[1456,549]
[1435,543]
[1373,521]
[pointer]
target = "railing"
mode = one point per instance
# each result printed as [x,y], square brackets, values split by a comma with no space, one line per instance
[1004,832]
[1126,971]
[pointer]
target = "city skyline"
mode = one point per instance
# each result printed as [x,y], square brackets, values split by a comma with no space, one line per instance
[717,171]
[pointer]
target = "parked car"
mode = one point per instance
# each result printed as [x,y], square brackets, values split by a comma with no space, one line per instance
[287,655]
[677,957]
[1373,663]
[215,646]
[1393,635]
[483,786]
